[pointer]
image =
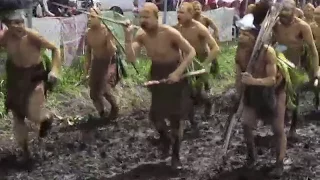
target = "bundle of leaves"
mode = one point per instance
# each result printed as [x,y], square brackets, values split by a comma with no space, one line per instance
[293,77]
[198,81]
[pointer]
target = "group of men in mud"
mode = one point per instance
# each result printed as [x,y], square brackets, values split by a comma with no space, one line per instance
[171,50]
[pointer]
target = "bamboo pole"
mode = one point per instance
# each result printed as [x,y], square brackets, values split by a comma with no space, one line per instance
[263,38]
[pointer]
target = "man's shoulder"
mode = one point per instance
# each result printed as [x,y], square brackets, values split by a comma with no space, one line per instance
[199,25]
[301,23]
[169,29]
[270,53]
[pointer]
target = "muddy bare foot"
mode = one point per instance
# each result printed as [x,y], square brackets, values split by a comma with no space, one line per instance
[176,163]
[195,132]
[293,136]
[276,172]
[45,128]
[113,114]
[165,147]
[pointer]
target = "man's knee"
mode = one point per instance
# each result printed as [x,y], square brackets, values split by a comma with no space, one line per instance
[177,126]
[158,121]
[278,129]
[20,129]
[36,104]
[94,95]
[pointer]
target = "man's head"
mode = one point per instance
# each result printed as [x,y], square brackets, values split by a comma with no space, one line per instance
[288,12]
[94,20]
[248,37]
[185,12]
[308,10]
[317,15]
[149,16]
[197,8]
[15,22]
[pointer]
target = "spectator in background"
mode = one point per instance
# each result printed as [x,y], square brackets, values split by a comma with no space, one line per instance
[160,4]
[242,9]
[40,8]
[135,12]
[212,4]
[58,11]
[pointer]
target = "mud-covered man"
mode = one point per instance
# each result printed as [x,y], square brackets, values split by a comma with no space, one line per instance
[163,45]
[260,8]
[308,12]
[315,27]
[27,77]
[100,55]
[206,21]
[264,96]
[206,48]
[296,35]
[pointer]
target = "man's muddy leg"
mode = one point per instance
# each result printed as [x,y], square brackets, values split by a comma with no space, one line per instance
[203,97]
[37,111]
[114,106]
[279,135]
[20,130]
[177,135]
[208,103]
[248,124]
[161,126]
[98,102]
[286,117]
[295,119]
[316,98]
[191,110]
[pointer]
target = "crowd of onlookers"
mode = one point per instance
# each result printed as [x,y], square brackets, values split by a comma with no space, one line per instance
[239,5]
[43,8]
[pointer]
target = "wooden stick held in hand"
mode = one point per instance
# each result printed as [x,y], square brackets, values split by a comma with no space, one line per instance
[194,73]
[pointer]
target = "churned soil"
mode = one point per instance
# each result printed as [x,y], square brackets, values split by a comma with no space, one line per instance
[125,150]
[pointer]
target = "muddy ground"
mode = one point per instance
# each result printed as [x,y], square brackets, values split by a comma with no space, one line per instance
[122,150]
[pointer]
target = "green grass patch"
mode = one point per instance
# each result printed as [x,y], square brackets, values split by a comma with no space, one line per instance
[127,90]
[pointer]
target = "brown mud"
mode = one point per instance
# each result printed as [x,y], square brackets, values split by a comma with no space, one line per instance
[123,150]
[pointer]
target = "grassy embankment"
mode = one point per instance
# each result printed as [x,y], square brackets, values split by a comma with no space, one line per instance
[70,100]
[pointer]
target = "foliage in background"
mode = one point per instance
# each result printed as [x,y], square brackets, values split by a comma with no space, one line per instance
[71,76]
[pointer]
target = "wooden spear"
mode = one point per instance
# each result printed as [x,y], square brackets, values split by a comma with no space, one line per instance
[263,38]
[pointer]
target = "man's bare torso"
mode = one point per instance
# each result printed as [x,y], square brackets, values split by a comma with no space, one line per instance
[243,57]
[160,46]
[203,20]
[192,34]
[23,51]
[291,37]
[316,33]
[101,43]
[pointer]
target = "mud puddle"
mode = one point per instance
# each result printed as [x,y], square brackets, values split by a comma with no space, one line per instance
[122,150]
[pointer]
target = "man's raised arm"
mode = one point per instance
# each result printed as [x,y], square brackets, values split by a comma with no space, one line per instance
[133,45]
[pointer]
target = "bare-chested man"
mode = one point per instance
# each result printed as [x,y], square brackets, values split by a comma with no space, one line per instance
[163,45]
[264,96]
[299,13]
[100,55]
[308,12]
[315,27]
[207,22]
[263,6]
[26,77]
[259,10]
[199,37]
[294,33]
